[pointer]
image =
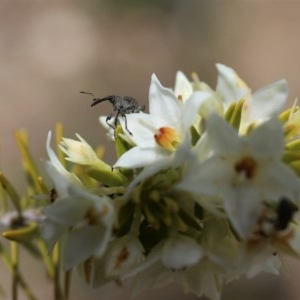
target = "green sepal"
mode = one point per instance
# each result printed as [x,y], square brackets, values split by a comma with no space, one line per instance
[233,115]
[150,236]
[229,112]
[105,174]
[236,117]
[295,165]
[125,217]
[291,130]
[285,115]
[179,223]
[294,145]
[290,156]
[29,165]
[189,220]
[22,234]
[195,136]
[121,144]
[12,193]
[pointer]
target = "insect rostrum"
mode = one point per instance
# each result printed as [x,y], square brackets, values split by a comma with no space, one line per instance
[122,105]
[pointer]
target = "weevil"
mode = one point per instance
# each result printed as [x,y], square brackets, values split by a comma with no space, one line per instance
[122,105]
[285,213]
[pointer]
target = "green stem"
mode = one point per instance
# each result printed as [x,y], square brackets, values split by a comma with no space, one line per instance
[58,139]
[8,262]
[46,258]
[14,259]
[27,159]
[58,295]
[7,186]
[67,284]
[136,220]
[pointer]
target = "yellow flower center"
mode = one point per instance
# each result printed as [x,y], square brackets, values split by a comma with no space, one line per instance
[167,138]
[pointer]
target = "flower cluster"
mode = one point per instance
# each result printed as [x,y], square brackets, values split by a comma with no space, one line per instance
[204,190]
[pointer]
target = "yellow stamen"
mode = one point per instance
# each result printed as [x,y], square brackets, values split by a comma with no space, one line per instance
[167,138]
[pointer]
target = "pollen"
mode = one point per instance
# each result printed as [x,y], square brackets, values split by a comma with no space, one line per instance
[167,138]
[91,216]
[246,166]
[122,257]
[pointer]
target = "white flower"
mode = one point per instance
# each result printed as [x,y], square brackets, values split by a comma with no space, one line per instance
[79,152]
[62,179]
[180,259]
[244,171]
[259,106]
[121,257]
[110,132]
[175,254]
[91,218]
[275,236]
[265,103]
[230,86]
[183,88]
[158,134]
[10,219]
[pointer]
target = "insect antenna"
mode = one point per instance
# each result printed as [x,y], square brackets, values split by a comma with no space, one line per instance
[87,93]
[95,100]
[98,100]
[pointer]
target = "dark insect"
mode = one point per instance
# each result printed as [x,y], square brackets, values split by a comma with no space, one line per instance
[285,212]
[53,195]
[122,105]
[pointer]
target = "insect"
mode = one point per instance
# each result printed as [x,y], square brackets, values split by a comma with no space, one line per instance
[122,105]
[285,212]
[274,220]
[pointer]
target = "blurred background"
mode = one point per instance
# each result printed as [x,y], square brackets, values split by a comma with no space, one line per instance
[51,50]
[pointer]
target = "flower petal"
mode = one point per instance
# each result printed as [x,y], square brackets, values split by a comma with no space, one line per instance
[148,171]
[140,125]
[82,244]
[221,136]
[183,88]
[210,178]
[67,211]
[267,140]
[137,157]
[243,207]
[280,181]
[180,252]
[268,101]
[230,86]
[192,107]
[51,232]
[163,105]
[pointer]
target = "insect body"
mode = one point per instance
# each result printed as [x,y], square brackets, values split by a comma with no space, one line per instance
[285,213]
[122,105]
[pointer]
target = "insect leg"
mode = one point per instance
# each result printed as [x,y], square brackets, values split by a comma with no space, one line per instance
[107,119]
[124,116]
[116,118]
